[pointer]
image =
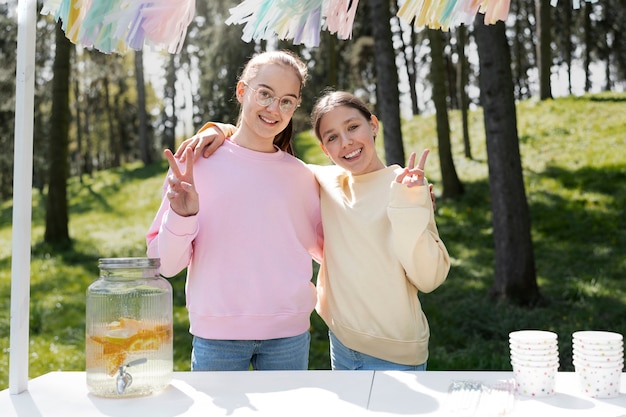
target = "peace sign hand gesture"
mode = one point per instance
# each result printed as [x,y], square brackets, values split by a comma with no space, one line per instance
[411,175]
[415,176]
[181,191]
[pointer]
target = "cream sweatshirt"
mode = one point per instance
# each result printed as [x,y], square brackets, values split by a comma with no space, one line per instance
[381,248]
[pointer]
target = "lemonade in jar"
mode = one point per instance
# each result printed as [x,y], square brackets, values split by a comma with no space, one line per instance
[128,340]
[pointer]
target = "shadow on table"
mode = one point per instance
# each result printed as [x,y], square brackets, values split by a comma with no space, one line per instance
[395,393]
[171,402]
[565,401]
[24,405]
[560,400]
[285,392]
[168,403]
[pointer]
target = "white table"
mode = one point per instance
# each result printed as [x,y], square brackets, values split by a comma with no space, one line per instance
[277,393]
[426,394]
[294,394]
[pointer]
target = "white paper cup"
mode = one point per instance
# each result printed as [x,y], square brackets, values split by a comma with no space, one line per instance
[593,337]
[598,364]
[534,349]
[533,337]
[522,357]
[599,382]
[534,381]
[601,357]
[534,342]
[535,364]
[598,349]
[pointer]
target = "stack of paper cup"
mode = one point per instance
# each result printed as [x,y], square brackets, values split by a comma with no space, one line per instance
[598,361]
[535,360]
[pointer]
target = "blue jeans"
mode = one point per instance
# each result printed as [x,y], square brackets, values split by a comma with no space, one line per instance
[289,353]
[343,358]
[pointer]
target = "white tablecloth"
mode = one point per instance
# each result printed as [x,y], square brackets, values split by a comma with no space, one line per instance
[426,394]
[278,393]
[296,393]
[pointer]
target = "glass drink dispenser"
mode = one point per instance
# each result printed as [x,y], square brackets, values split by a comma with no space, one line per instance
[128,339]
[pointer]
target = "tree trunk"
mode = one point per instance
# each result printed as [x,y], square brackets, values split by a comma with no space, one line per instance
[452,94]
[412,72]
[609,33]
[79,131]
[333,77]
[588,36]
[452,187]
[521,58]
[91,152]
[387,92]
[125,122]
[462,80]
[170,118]
[57,232]
[544,54]
[567,41]
[408,54]
[114,140]
[146,155]
[515,278]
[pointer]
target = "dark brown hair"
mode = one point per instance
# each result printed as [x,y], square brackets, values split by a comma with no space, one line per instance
[332,100]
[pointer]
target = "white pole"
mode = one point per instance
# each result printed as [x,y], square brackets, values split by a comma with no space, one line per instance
[22,195]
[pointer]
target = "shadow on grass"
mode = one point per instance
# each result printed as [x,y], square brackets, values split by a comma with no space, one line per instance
[614,99]
[582,235]
[85,198]
[608,180]
[578,246]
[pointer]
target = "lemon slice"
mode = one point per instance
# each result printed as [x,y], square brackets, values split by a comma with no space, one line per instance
[131,324]
[118,335]
[147,342]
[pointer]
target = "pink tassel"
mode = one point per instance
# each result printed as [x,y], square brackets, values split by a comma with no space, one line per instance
[165,22]
[340,17]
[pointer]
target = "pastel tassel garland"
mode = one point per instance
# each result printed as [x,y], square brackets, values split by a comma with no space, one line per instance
[300,20]
[117,25]
[444,14]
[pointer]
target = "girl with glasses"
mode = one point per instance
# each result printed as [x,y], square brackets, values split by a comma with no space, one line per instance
[381,244]
[246,224]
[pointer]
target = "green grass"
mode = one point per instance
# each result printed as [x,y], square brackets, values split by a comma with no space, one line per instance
[574,159]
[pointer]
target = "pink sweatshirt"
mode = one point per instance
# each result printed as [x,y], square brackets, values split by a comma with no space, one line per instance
[248,250]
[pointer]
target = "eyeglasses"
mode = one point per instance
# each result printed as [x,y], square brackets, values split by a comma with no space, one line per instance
[264,97]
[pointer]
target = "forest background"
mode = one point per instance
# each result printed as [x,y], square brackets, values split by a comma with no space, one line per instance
[96,112]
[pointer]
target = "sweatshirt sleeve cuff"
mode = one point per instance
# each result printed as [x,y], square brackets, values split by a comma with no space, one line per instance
[403,196]
[180,225]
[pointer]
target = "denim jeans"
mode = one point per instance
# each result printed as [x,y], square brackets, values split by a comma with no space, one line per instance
[343,358]
[289,353]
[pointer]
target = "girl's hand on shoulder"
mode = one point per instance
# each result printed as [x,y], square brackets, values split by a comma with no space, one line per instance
[181,191]
[413,176]
[204,143]
[191,142]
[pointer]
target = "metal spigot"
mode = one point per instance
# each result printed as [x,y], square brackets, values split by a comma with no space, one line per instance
[124,379]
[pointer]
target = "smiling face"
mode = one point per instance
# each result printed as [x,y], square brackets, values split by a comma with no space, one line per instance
[347,137]
[260,124]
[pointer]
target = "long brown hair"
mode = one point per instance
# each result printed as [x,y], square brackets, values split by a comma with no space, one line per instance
[284,139]
[332,100]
